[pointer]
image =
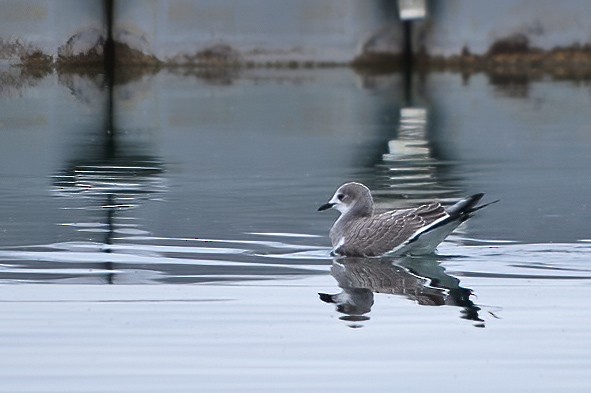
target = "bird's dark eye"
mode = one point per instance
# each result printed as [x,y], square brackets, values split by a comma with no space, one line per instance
[340,197]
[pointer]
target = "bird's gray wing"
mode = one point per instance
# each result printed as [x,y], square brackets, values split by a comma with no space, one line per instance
[382,233]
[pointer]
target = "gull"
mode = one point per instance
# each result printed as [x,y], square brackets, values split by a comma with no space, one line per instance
[359,232]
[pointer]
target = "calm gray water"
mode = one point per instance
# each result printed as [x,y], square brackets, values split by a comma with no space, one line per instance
[175,218]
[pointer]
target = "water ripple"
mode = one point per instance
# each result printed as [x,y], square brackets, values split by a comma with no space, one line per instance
[145,259]
[521,261]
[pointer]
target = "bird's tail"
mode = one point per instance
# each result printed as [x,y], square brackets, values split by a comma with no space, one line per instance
[327,298]
[466,206]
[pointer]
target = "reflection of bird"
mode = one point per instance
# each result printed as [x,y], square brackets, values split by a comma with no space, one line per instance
[417,231]
[423,281]
[353,302]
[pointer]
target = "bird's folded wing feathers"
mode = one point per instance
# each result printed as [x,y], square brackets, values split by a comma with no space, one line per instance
[384,232]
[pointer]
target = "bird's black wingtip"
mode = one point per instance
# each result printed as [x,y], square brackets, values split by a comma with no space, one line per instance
[467,206]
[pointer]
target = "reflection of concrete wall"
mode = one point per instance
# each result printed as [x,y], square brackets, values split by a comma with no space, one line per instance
[37,118]
[244,138]
[228,145]
[67,27]
[258,31]
[526,149]
[454,24]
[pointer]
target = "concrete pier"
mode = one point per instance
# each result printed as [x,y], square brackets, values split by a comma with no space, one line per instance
[257,32]
[295,33]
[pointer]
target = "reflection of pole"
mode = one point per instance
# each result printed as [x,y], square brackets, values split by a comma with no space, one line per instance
[110,206]
[109,64]
[110,146]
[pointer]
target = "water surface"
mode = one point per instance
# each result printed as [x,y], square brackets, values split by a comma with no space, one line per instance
[174,216]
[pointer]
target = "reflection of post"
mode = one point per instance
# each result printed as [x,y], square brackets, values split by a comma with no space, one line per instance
[109,235]
[109,129]
[107,174]
[109,64]
[421,280]
[113,183]
[411,143]
[414,175]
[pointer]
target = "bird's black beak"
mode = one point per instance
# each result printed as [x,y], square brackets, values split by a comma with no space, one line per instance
[325,206]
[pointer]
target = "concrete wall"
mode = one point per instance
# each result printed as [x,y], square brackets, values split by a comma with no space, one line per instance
[288,32]
[258,31]
[202,31]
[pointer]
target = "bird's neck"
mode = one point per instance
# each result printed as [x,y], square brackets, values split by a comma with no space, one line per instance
[357,211]
[361,209]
